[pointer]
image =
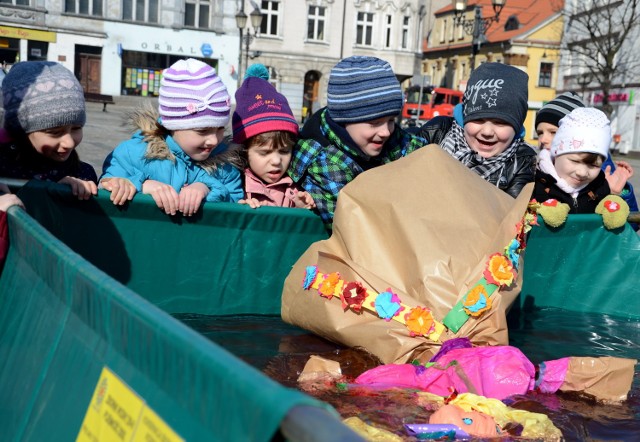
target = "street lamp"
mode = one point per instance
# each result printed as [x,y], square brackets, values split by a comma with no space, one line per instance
[241,22]
[477,27]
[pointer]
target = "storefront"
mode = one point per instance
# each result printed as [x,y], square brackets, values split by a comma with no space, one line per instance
[24,44]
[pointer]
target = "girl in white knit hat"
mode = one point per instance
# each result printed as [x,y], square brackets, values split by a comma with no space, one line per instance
[570,171]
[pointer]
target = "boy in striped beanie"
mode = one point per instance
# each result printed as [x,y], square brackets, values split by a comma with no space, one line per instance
[265,126]
[354,133]
[549,116]
[177,154]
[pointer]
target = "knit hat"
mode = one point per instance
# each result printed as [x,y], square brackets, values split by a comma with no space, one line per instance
[585,129]
[363,89]
[499,91]
[40,95]
[260,108]
[192,96]
[557,108]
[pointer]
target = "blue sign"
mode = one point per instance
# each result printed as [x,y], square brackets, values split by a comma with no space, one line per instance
[206,49]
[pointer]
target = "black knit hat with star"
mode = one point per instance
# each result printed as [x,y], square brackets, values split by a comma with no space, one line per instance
[497,91]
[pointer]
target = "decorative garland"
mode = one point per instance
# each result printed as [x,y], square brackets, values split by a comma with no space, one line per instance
[387,304]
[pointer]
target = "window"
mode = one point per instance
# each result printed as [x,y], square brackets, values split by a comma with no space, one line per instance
[405,32]
[16,2]
[364,28]
[84,7]
[387,30]
[315,23]
[197,13]
[140,10]
[270,10]
[443,30]
[544,80]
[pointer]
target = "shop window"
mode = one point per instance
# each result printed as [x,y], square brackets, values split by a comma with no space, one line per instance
[37,50]
[140,10]
[315,23]
[270,17]
[546,69]
[84,7]
[197,13]
[364,29]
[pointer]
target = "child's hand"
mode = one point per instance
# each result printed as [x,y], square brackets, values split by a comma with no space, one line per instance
[618,179]
[122,190]
[163,194]
[80,188]
[251,202]
[9,200]
[191,197]
[303,200]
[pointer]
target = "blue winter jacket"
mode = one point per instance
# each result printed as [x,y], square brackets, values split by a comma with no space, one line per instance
[166,162]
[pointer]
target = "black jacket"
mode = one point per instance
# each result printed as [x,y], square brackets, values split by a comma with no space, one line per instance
[586,201]
[518,171]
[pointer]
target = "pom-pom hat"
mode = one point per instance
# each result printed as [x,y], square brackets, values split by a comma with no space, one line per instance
[260,107]
[363,89]
[556,109]
[192,96]
[40,95]
[583,130]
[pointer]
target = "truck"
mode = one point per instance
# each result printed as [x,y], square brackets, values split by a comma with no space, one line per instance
[434,101]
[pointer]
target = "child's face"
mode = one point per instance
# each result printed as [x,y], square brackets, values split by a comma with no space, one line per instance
[56,143]
[370,136]
[572,168]
[546,132]
[267,163]
[488,137]
[199,143]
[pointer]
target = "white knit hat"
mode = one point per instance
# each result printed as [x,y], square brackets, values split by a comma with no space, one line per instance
[192,96]
[584,130]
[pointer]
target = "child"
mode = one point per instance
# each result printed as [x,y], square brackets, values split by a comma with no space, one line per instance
[487,135]
[354,133]
[547,122]
[178,159]
[570,171]
[264,124]
[44,112]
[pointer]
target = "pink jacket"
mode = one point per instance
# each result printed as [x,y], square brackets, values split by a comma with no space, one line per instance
[278,194]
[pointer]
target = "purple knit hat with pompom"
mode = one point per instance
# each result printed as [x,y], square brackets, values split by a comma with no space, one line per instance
[192,96]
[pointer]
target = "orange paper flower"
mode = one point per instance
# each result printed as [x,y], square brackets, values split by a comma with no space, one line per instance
[499,270]
[420,321]
[477,301]
[328,286]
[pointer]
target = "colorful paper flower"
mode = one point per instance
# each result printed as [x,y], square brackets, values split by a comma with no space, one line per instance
[611,206]
[477,301]
[499,270]
[420,321]
[550,203]
[353,295]
[387,305]
[310,275]
[512,251]
[328,286]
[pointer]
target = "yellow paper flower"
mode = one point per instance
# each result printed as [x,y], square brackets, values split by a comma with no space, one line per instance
[477,301]
[499,270]
[420,321]
[328,286]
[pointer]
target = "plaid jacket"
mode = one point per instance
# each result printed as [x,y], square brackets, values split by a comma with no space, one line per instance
[323,164]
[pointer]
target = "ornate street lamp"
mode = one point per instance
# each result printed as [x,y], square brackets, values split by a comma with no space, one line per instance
[241,22]
[477,27]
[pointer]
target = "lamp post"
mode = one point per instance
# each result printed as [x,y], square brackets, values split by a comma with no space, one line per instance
[241,22]
[477,27]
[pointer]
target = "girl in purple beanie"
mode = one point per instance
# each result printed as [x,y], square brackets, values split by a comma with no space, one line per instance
[178,156]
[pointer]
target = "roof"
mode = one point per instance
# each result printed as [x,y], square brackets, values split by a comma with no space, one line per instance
[531,14]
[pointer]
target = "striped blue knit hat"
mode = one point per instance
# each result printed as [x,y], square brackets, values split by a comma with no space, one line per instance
[363,89]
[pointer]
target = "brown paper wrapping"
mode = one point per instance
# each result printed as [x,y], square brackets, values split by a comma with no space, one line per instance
[424,226]
[605,378]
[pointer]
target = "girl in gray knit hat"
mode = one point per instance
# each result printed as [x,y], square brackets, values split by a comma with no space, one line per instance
[44,113]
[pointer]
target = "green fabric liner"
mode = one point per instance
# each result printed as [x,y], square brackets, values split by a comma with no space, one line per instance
[62,320]
[457,317]
[583,267]
[228,259]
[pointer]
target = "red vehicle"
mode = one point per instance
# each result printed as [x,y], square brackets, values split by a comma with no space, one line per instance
[434,102]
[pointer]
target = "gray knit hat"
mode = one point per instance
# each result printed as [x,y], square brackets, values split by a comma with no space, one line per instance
[499,91]
[40,95]
[559,107]
[363,89]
